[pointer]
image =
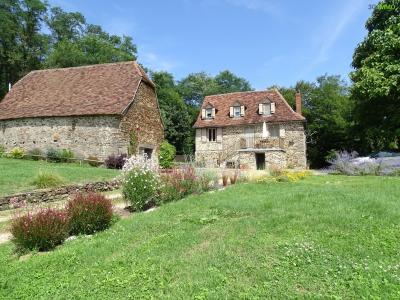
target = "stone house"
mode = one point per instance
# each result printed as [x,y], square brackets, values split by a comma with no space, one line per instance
[252,130]
[91,110]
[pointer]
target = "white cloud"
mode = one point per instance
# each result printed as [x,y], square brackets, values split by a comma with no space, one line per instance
[155,62]
[331,35]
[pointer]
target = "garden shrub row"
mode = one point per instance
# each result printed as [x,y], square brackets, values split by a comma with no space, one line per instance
[144,187]
[48,228]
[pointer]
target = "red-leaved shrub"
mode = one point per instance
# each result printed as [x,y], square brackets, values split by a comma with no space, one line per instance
[89,213]
[42,231]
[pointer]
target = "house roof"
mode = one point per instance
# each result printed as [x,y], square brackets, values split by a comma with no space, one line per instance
[105,89]
[223,102]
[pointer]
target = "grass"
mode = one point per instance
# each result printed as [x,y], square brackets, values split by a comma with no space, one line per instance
[322,237]
[18,175]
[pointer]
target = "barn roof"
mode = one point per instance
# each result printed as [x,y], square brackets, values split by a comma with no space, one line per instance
[104,89]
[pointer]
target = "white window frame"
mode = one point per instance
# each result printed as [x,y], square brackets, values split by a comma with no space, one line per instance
[236,111]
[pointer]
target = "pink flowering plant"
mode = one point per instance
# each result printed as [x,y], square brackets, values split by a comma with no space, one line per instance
[140,182]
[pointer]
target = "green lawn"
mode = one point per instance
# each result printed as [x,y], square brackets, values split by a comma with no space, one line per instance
[323,237]
[16,175]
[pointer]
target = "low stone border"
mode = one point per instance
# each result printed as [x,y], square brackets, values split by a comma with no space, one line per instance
[57,194]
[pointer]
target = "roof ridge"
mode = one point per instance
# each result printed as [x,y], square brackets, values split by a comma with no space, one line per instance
[244,92]
[84,67]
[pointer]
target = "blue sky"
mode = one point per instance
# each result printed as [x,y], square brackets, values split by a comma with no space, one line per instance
[265,41]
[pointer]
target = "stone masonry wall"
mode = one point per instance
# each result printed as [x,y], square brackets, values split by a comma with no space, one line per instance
[144,118]
[89,135]
[57,194]
[293,145]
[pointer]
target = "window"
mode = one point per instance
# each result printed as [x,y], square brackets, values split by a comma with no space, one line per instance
[212,134]
[209,113]
[236,111]
[274,130]
[266,108]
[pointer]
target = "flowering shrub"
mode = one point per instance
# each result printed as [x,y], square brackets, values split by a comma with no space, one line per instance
[284,176]
[116,161]
[207,180]
[140,188]
[140,182]
[166,155]
[141,162]
[17,153]
[344,162]
[179,183]
[42,231]
[47,180]
[89,213]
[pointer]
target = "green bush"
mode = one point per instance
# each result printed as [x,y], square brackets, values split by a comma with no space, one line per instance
[17,153]
[166,155]
[46,180]
[35,154]
[53,155]
[2,150]
[89,213]
[41,231]
[140,188]
[207,180]
[66,155]
[93,161]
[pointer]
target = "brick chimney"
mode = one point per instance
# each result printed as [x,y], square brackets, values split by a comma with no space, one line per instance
[298,102]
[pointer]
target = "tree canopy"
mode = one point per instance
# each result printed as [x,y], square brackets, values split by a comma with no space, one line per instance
[376,80]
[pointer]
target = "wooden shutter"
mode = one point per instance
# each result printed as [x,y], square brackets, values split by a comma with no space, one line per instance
[261,108]
[272,107]
[213,112]
[242,110]
[282,131]
[219,134]
[231,112]
[204,135]
[203,113]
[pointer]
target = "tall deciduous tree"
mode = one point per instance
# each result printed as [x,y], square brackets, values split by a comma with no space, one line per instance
[327,108]
[22,44]
[174,112]
[376,79]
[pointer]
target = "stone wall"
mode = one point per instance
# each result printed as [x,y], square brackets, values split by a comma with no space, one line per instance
[89,135]
[286,151]
[86,136]
[144,118]
[58,194]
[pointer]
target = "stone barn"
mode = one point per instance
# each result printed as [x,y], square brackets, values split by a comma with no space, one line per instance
[93,110]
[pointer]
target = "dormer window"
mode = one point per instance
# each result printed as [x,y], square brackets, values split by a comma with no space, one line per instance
[236,111]
[208,112]
[266,108]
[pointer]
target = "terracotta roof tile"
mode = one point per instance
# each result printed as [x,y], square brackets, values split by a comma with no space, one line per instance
[222,103]
[105,89]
